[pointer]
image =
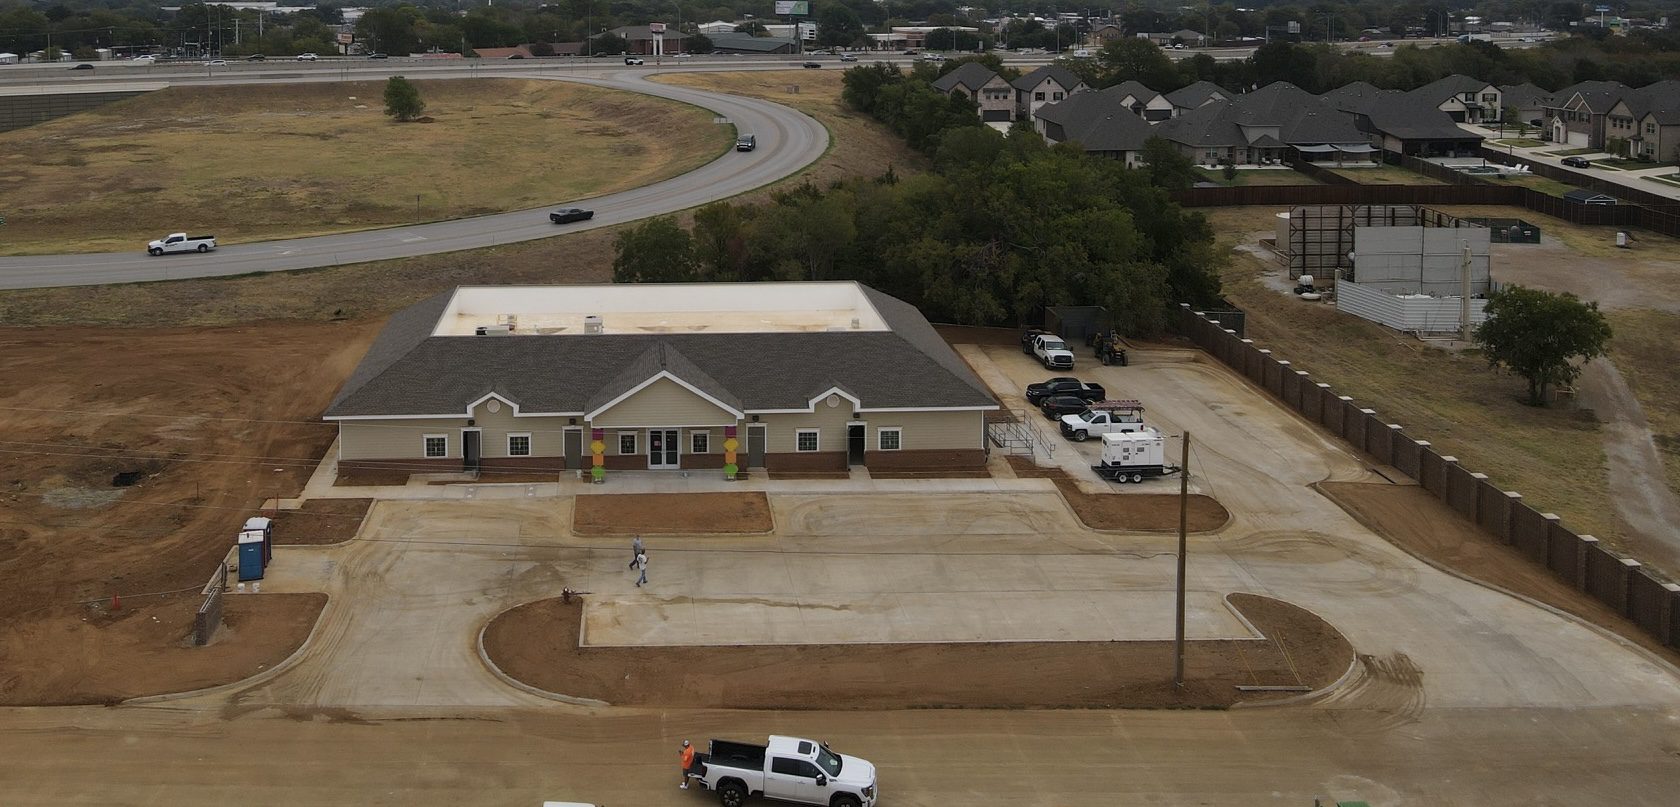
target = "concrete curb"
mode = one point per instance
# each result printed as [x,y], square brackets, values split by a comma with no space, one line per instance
[244,683]
[521,685]
[1304,697]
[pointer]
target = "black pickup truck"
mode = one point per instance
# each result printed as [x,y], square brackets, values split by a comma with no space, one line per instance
[1064,385]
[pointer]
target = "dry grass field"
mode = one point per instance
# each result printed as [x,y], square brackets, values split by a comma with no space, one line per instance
[1644,349]
[251,164]
[1386,175]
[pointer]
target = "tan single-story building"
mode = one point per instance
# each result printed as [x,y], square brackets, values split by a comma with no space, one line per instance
[803,376]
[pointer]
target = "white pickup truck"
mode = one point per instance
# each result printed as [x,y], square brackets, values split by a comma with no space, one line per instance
[789,769]
[1103,417]
[181,242]
[1049,349]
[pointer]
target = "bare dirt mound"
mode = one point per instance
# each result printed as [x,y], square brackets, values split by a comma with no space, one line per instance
[321,521]
[1413,519]
[92,654]
[536,643]
[1128,511]
[672,514]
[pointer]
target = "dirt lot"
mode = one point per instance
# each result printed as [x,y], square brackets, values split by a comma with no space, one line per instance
[1446,538]
[1131,511]
[91,654]
[181,159]
[321,521]
[672,514]
[1301,649]
[1451,399]
[210,422]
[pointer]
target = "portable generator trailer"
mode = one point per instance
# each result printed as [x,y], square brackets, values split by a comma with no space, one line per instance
[1134,456]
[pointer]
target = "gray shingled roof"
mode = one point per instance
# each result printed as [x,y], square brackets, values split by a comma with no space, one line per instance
[1407,116]
[1098,121]
[970,76]
[1599,96]
[1136,89]
[1524,95]
[1300,117]
[1197,95]
[408,371]
[1662,98]
[1060,75]
[1442,89]
[734,40]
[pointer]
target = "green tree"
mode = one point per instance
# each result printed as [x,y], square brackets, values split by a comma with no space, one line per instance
[655,251]
[838,26]
[1133,59]
[611,43]
[1167,166]
[402,99]
[1539,335]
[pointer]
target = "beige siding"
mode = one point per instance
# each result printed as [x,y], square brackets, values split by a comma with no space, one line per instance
[663,403]
[546,437]
[395,439]
[927,431]
[831,421]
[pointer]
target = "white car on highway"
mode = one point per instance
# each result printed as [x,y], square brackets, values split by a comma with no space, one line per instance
[181,242]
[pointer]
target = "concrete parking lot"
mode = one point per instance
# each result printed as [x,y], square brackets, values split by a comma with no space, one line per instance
[1462,694]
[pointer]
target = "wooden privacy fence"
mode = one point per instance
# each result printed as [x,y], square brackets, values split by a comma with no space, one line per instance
[1580,560]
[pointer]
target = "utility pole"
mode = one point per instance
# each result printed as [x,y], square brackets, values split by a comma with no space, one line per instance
[1464,295]
[1183,529]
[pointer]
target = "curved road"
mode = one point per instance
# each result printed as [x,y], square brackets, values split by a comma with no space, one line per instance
[788,141]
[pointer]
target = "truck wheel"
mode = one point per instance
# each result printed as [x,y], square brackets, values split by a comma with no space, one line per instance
[154,252]
[203,247]
[1080,436]
[732,794]
[1136,478]
[845,800]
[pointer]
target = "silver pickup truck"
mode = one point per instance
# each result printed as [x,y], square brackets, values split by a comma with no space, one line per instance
[788,769]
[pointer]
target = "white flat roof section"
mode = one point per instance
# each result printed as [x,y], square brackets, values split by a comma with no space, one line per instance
[644,308]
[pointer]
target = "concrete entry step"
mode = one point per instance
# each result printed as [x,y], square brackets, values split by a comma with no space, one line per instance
[1010,616]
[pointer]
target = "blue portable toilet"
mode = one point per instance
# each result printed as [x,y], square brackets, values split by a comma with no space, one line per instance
[266,527]
[250,555]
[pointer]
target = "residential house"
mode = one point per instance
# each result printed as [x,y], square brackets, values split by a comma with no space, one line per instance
[1142,101]
[1102,35]
[1104,123]
[1196,95]
[1658,138]
[1045,85]
[1527,101]
[1403,123]
[1634,125]
[1279,122]
[991,93]
[1464,99]
[1576,114]
[747,43]
[669,376]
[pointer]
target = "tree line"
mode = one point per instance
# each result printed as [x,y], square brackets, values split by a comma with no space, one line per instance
[1001,227]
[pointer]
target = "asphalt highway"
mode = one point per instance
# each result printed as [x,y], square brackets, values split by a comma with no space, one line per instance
[788,141]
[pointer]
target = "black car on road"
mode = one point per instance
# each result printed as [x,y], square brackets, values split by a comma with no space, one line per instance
[568,214]
[1064,385]
[814,65]
[1577,162]
[1055,406]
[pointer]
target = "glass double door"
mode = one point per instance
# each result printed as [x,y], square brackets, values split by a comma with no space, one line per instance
[662,448]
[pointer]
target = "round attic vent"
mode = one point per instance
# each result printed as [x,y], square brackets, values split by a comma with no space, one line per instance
[833,401]
[493,405]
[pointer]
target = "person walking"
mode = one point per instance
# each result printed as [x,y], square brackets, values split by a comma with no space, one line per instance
[635,550]
[687,762]
[640,565]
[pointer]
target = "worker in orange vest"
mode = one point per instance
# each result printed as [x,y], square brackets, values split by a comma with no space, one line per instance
[687,762]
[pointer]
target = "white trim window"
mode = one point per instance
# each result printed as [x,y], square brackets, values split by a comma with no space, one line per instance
[433,446]
[890,438]
[626,443]
[700,442]
[519,444]
[807,440]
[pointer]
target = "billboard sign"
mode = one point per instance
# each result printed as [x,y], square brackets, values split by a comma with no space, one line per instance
[656,28]
[793,8]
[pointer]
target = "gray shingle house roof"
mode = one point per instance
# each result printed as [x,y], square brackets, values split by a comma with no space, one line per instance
[1662,98]
[408,371]
[1524,95]
[1060,75]
[1136,89]
[1599,96]
[1407,116]
[970,76]
[1197,95]
[1441,89]
[1299,117]
[1098,121]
